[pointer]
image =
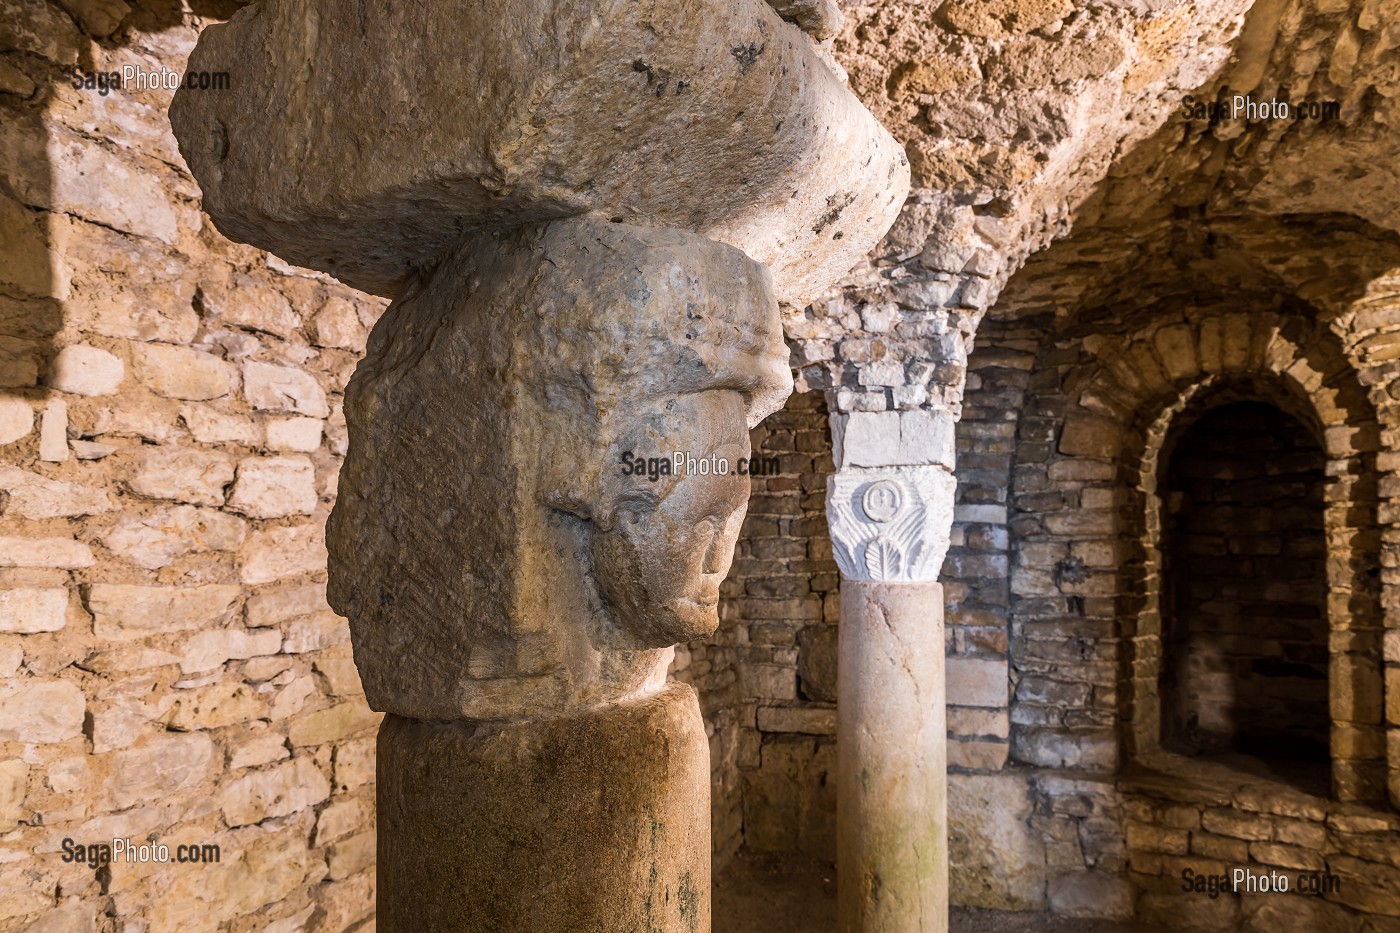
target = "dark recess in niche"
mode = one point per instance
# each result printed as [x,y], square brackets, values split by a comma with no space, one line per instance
[1244,589]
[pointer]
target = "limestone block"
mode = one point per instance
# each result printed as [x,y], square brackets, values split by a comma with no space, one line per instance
[70,174]
[127,659]
[53,432]
[153,422]
[163,766]
[302,435]
[254,305]
[291,698]
[19,362]
[274,487]
[41,711]
[280,605]
[969,721]
[209,426]
[344,859]
[179,372]
[997,858]
[260,750]
[59,553]
[258,869]
[27,610]
[353,764]
[16,419]
[14,783]
[341,676]
[977,682]
[277,553]
[331,724]
[340,819]
[1091,894]
[119,725]
[86,370]
[559,845]
[1087,435]
[807,720]
[977,755]
[291,786]
[767,681]
[34,497]
[338,325]
[216,705]
[26,266]
[315,633]
[122,613]
[182,474]
[816,662]
[706,115]
[155,540]
[270,387]
[789,800]
[206,651]
[523,372]
[890,438]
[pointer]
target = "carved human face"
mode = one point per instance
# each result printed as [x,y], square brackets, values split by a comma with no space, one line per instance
[671,539]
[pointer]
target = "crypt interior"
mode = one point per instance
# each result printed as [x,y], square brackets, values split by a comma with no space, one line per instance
[1071,574]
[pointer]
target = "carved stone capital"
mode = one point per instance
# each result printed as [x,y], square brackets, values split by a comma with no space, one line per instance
[890,524]
[495,559]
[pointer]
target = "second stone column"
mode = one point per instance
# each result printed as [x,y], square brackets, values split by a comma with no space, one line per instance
[889,506]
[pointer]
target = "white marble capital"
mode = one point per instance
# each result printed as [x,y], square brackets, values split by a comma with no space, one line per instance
[890,524]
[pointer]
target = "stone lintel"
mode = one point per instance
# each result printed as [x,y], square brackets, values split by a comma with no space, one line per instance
[893,438]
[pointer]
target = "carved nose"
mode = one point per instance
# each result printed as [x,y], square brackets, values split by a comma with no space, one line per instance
[714,547]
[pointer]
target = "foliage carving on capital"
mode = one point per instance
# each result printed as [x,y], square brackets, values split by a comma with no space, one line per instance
[890,525]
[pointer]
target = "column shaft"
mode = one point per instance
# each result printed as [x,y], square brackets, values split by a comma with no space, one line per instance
[892,854]
[596,822]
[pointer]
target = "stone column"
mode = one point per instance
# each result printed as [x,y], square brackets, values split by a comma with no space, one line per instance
[588,223]
[890,508]
[514,587]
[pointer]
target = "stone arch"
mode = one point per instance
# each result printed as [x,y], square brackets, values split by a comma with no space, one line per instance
[1088,530]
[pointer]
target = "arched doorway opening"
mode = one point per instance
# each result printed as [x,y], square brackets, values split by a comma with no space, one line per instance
[1244,667]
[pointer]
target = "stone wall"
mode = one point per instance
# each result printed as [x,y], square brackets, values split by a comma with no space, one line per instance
[171,428]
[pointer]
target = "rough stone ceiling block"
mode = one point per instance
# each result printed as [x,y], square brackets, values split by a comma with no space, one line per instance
[365,141]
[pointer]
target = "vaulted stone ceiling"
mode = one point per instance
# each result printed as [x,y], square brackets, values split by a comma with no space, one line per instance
[1304,207]
[1028,121]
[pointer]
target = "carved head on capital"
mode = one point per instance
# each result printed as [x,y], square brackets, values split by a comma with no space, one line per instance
[489,532]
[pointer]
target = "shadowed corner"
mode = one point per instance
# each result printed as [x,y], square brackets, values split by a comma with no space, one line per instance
[33,283]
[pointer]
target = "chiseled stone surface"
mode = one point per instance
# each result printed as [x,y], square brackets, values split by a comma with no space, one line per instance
[610,836]
[708,115]
[539,576]
[997,859]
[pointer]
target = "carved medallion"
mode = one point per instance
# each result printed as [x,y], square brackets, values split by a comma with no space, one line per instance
[882,501]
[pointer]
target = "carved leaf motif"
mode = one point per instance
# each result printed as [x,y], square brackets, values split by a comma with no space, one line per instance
[882,559]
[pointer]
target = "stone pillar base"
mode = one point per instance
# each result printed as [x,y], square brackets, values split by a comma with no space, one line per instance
[591,823]
[892,781]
